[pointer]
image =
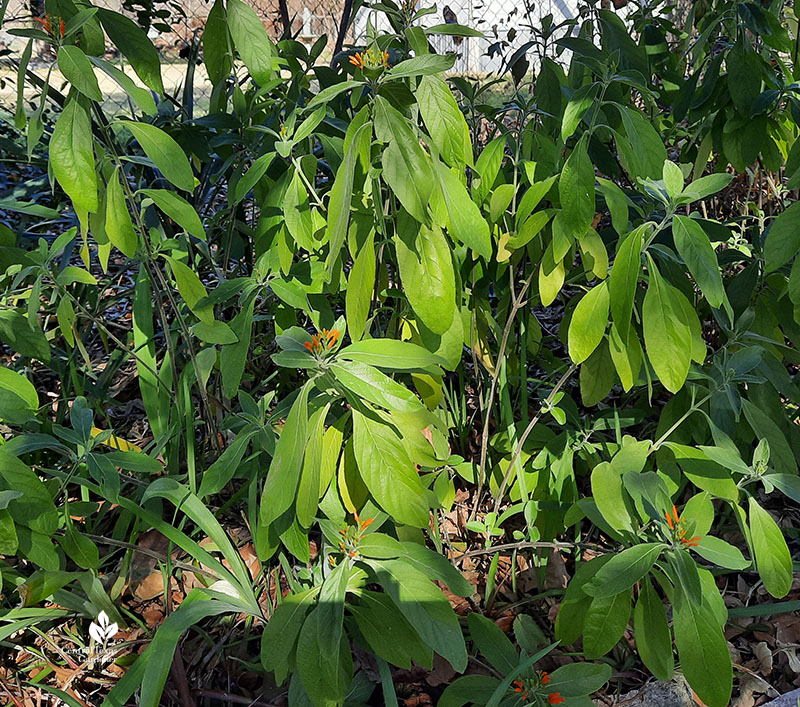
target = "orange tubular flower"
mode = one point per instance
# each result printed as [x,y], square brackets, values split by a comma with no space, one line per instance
[675,523]
[323,341]
[45,23]
[544,677]
[554,698]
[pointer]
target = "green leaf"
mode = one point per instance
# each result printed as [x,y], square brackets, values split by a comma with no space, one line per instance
[370,384]
[424,65]
[226,465]
[425,608]
[673,178]
[407,168]
[216,45]
[232,358]
[695,248]
[705,473]
[72,158]
[588,323]
[142,97]
[23,335]
[284,471]
[623,279]
[584,97]
[578,679]
[77,69]
[643,153]
[341,195]
[653,638]
[492,643]
[178,209]
[191,288]
[606,621]
[744,75]
[82,550]
[773,560]
[18,398]
[135,46]
[281,631]
[667,336]
[783,238]
[576,191]
[607,491]
[388,472]
[251,40]
[35,508]
[391,354]
[703,651]
[624,570]
[360,286]
[627,356]
[706,186]
[720,553]
[254,173]
[445,121]
[454,30]
[119,226]
[297,213]
[426,272]
[166,154]
[465,221]
[388,632]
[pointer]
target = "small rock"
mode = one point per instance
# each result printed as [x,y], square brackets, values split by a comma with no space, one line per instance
[790,699]
[675,693]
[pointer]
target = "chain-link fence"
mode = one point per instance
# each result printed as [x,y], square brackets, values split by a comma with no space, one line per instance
[507,25]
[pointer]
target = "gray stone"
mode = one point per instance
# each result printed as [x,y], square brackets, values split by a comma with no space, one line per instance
[790,699]
[675,693]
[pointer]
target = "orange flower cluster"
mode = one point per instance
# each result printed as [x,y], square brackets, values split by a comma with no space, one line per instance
[47,23]
[675,523]
[370,60]
[349,542]
[540,680]
[323,341]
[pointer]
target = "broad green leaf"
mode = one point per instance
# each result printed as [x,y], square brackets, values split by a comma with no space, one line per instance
[695,248]
[705,473]
[578,679]
[407,168]
[360,287]
[445,121]
[608,495]
[643,153]
[35,508]
[281,631]
[571,613]
[788,484]
[72,158]
[576,191]
[178,209]
[617,205]
[388,472]
[388,632]
[251,40]
[370,384]
[667,337]
[166,154]
[191,288]
[720,553]
[744,75]
[627,356]
[18,398]
[225,466]
[253,174]
[119,226]
[232,358]
[465,221]
[216,44]
[490,640]
[142,97]
[77,69]
[341,195]
[773,560]
[426,272]
[703,651]
[653,638]
[781,455]
[23,335]
[606,621]
[424,65]
[783,238]
[673,178]
[623,279]
[81,549]
[135,46]
[706,186]
[454,30]
[582,99]
[297,213]
[284,471]
[391,354]
[425,608]
[588,323]
[488,166]
[624,570]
